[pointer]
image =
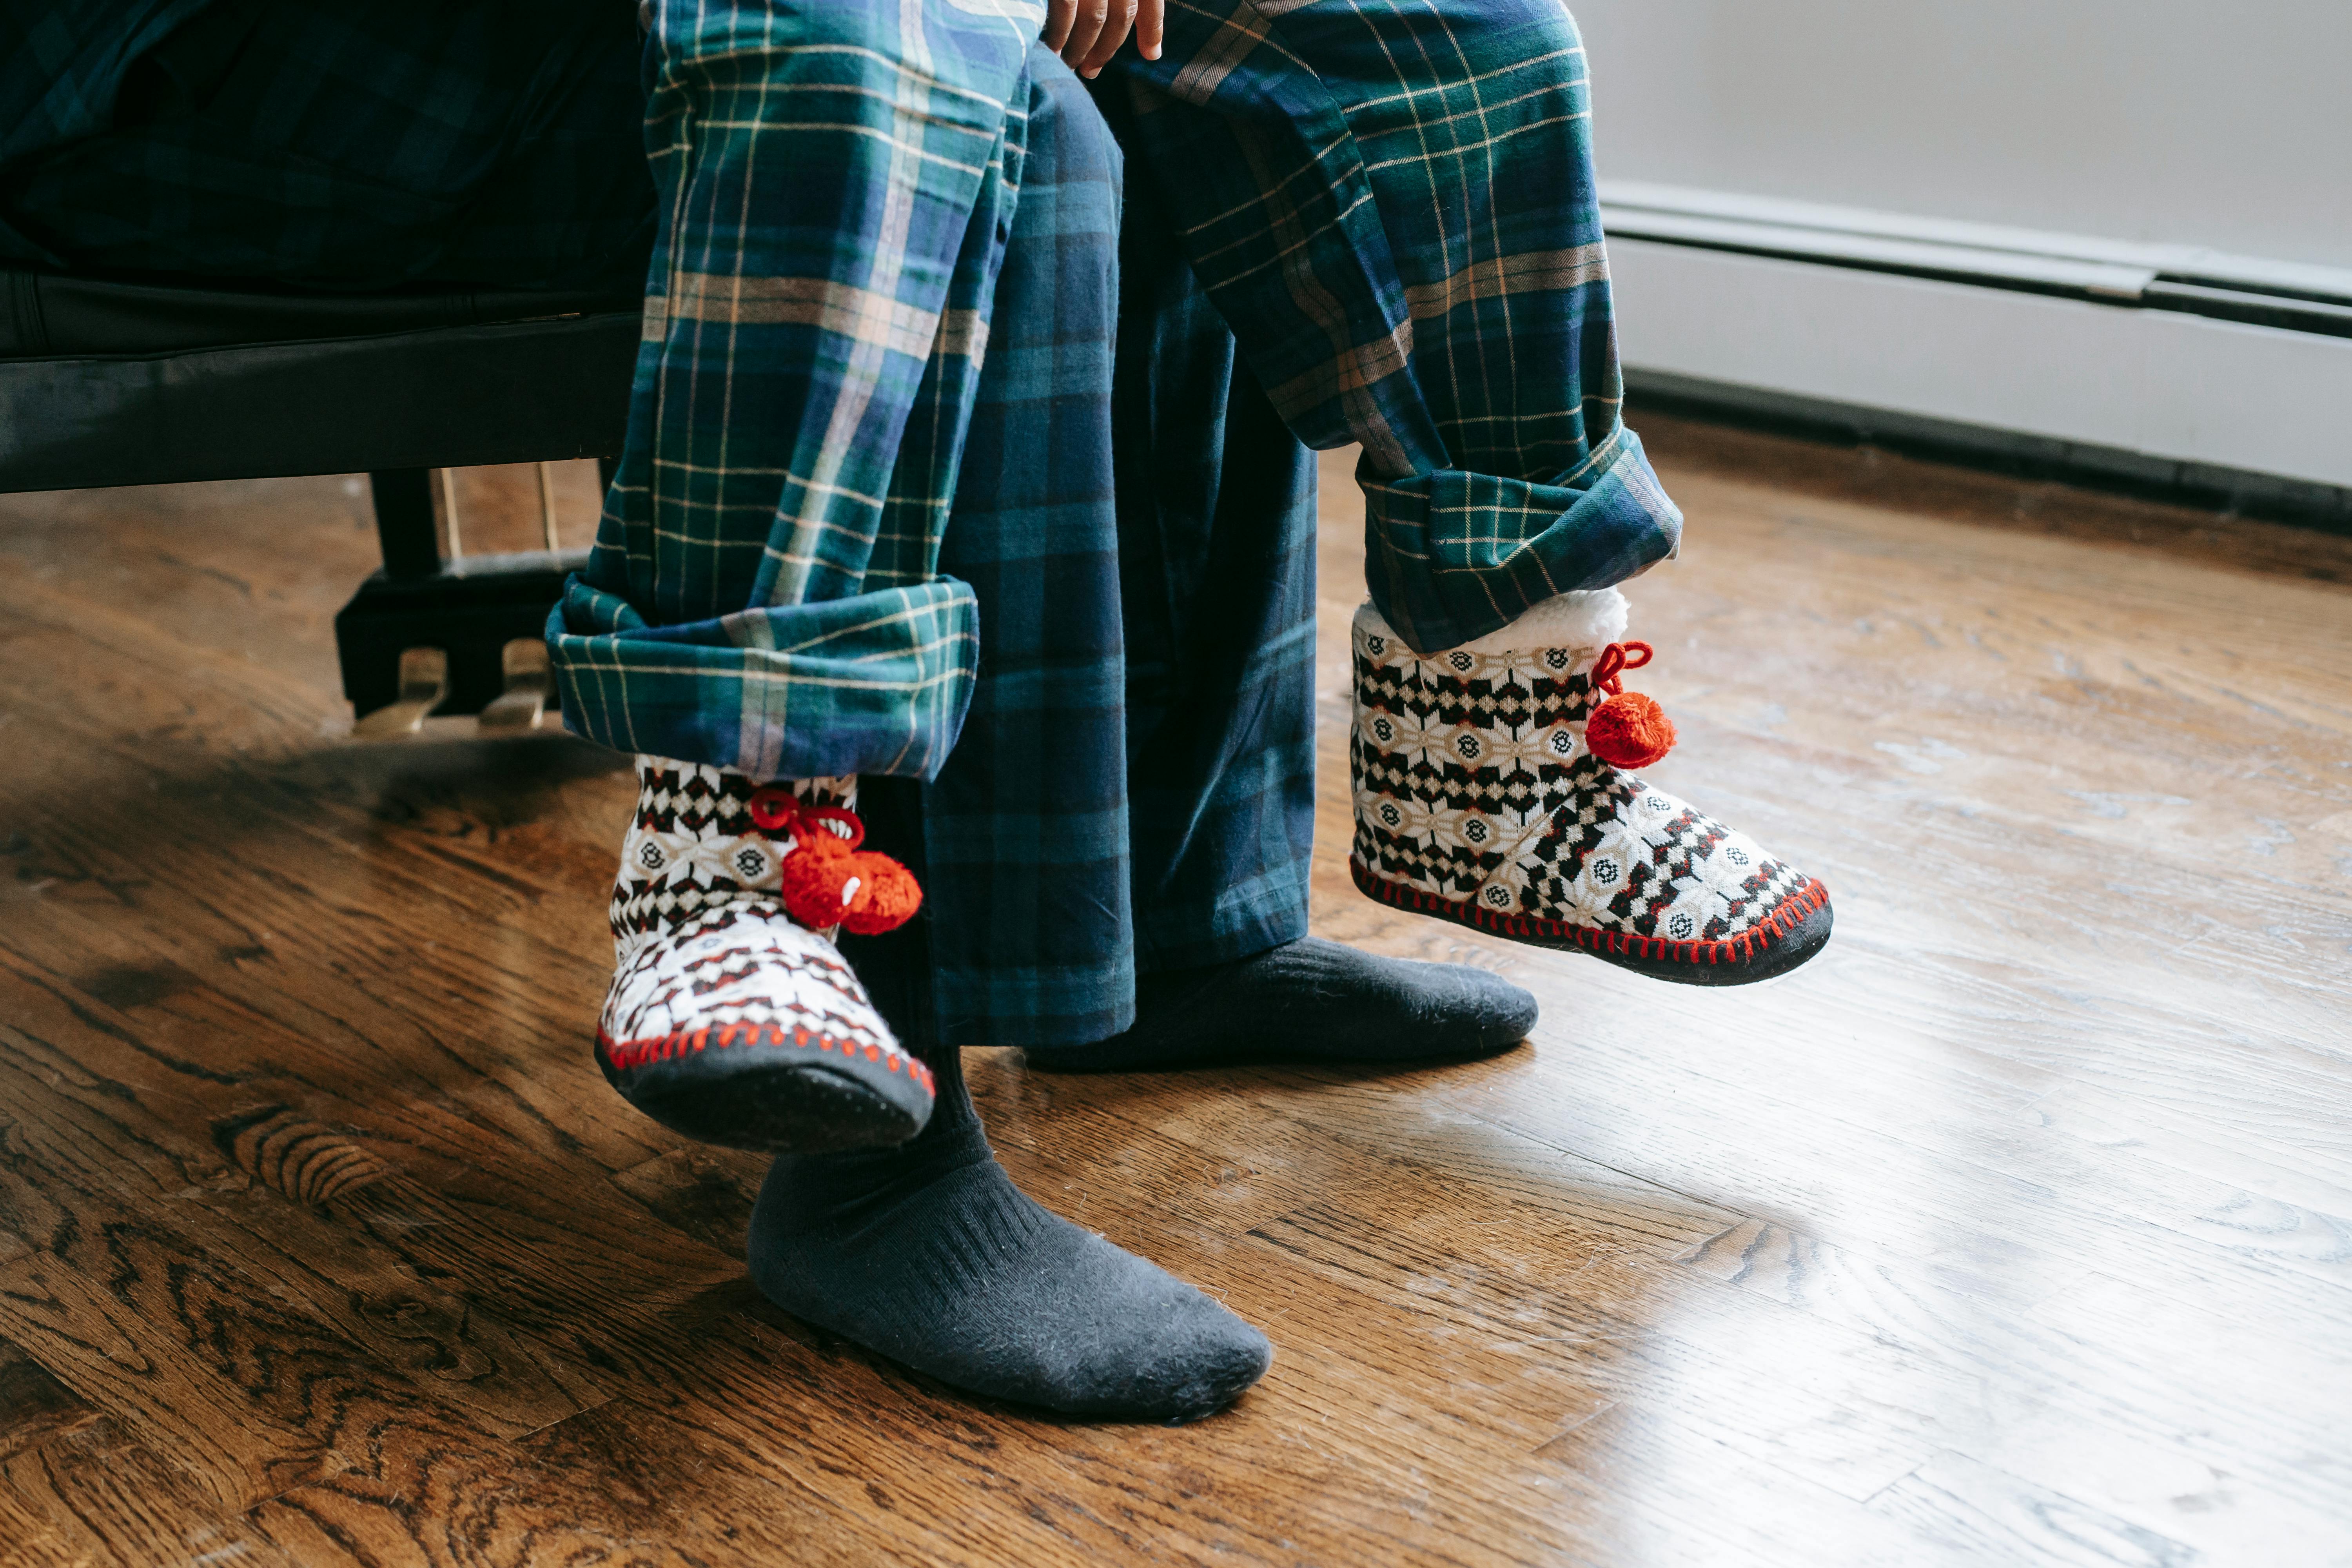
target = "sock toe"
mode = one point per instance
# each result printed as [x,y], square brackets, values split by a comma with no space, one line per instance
[1508,1017]
[1147,1346]
[1456,1010]
[1229,1358]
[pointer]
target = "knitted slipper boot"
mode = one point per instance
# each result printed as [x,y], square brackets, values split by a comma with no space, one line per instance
[1491,790]
[731,1020]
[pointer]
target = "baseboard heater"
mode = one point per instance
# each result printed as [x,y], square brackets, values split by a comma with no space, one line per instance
[2222,381]
[2209,486]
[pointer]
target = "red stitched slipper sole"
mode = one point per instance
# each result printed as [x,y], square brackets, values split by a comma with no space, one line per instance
[1795,935]
[773,1100]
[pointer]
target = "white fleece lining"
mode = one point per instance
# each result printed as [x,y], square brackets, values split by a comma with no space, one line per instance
[1591,618]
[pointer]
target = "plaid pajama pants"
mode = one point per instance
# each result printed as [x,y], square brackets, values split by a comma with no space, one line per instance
[1390,200]
[883,296]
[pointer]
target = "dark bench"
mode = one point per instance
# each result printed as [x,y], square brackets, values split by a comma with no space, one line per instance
[126,383]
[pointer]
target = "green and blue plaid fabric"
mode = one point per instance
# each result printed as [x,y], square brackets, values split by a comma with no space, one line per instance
[1391,201]
[1134,787]
[60,69]
[835,184]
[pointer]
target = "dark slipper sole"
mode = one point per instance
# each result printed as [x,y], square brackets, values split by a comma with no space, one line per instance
[1800,931]
[775,1101]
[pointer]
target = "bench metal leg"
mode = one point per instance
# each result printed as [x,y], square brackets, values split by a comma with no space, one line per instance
[426,637]
[403,521]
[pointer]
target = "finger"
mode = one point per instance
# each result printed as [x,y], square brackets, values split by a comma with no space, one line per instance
[1084,30]
[1150,24]
[1059,15]
[1106,43]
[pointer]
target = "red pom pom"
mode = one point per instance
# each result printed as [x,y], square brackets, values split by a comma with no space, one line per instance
[826,883]
[886,898]
[812,886]
[1629,731]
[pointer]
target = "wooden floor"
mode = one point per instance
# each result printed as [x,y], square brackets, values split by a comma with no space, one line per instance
[2015,1230]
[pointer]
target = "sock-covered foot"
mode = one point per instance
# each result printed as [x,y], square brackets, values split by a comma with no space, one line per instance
[1493,788]
[930,1256]
[1309,1001]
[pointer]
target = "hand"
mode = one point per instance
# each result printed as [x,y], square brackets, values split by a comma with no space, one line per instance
[1086,33]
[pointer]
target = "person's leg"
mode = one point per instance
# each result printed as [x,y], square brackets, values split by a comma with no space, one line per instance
[762,619]
[928,1253]
[1025,827]
[1118,844]
[1393,203]
[1216,563]
[1217,546]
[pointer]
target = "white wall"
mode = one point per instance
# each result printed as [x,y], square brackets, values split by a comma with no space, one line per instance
[2225,125]
[2138,380]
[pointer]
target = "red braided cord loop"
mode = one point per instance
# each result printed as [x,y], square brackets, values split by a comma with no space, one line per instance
[774,808]
[781,814]
[1608,671]
[1628,730]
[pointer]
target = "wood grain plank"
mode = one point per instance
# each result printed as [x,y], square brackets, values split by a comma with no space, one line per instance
[96,1498]
[1672,1494]
[1990,1516]
[34,1406]
[248,1394]
[1300,1130]
[613,1485]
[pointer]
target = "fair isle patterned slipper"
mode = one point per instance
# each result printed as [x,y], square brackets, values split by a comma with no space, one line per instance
[1491,790]
[730,1020]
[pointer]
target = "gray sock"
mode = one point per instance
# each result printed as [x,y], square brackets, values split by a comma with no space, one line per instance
[1308,1000]
[927,1254]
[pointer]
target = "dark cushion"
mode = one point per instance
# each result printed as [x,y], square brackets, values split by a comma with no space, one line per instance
[118,383]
